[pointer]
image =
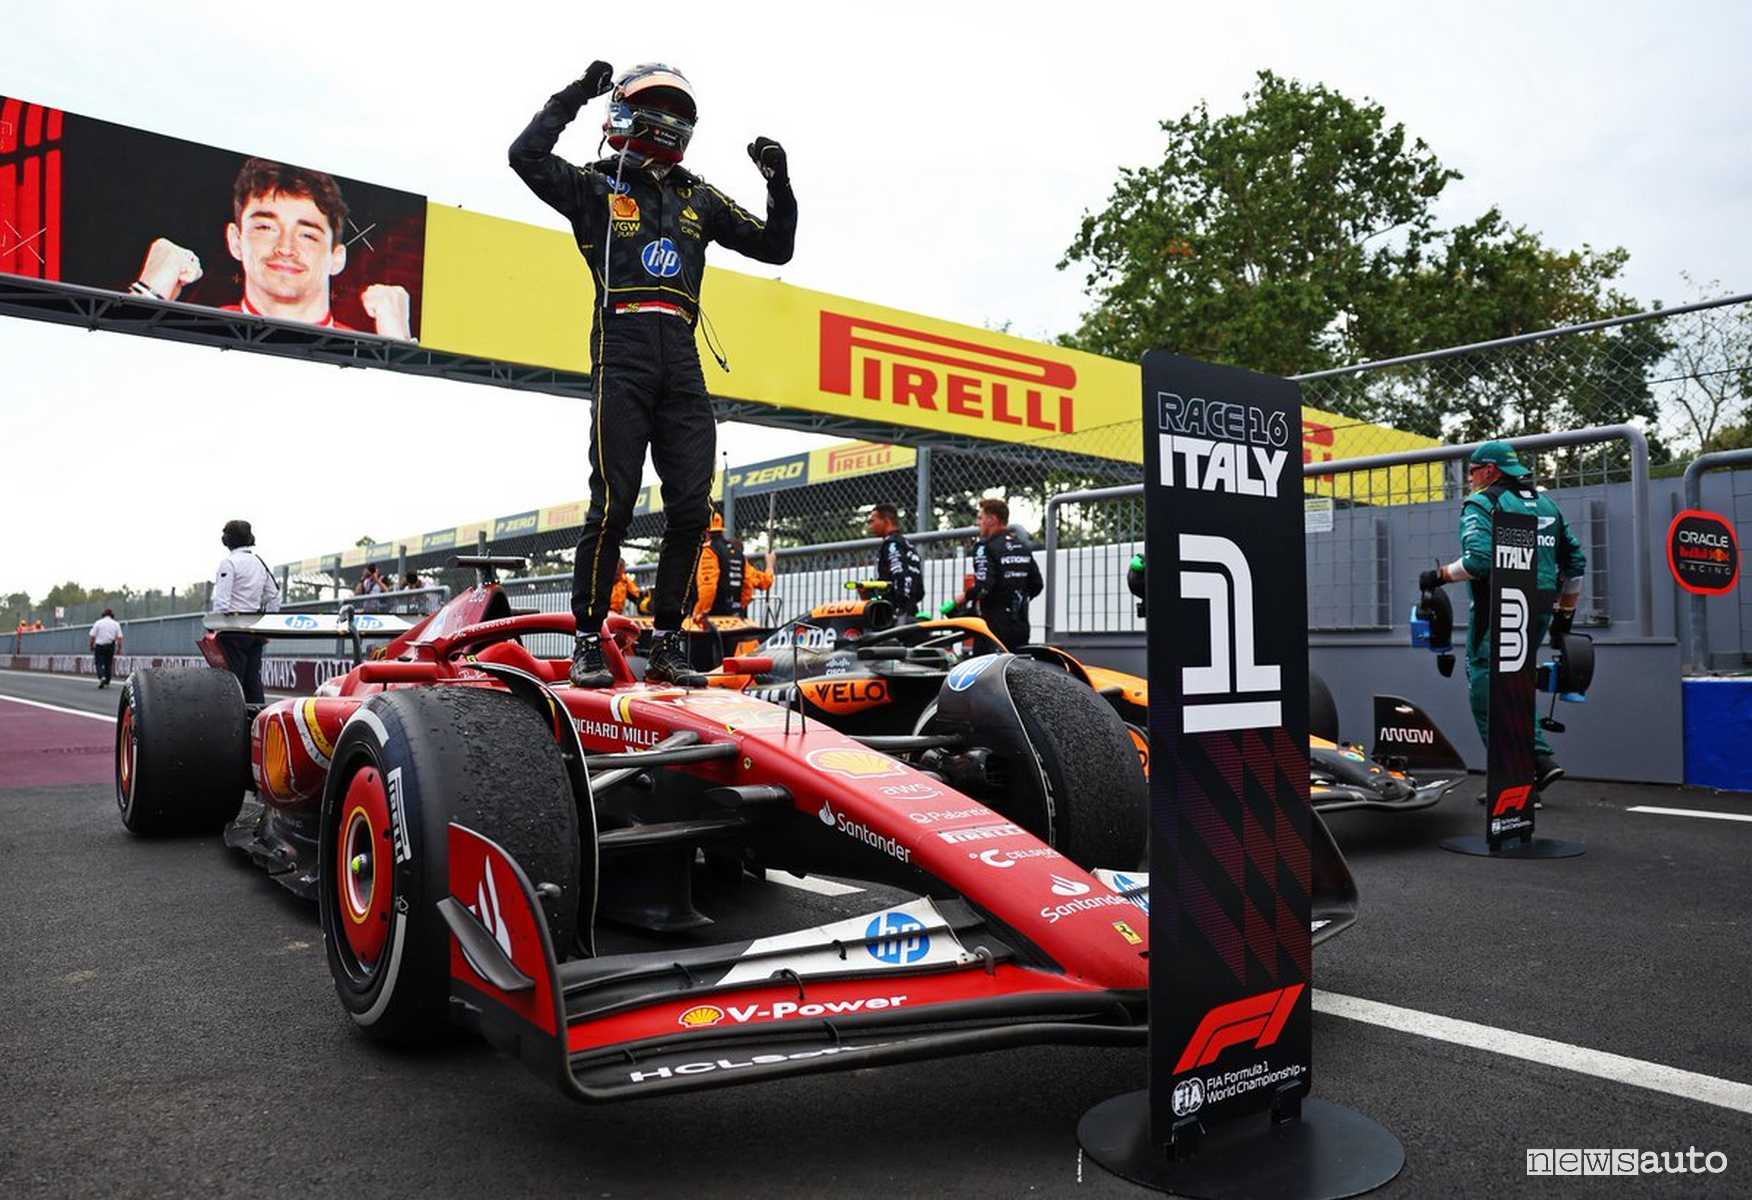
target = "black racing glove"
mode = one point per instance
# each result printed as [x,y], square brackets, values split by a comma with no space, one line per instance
[597,79]
[1430,580]
[1561,621]
[769,156]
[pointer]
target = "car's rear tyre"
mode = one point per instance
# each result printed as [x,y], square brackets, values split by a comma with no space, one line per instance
[406,764]
[182,750]
[1100,814]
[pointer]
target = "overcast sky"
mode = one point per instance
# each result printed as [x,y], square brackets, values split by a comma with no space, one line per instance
[942,156]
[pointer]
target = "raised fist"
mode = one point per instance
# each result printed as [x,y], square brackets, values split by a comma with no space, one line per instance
[388,305]
[169,268]
[769,156]
[598,77]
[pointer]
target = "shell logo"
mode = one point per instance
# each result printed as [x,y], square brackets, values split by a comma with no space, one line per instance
[700,1016]
[623,207]
[854,763]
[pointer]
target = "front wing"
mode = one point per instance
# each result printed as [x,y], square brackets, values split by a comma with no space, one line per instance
[921,980]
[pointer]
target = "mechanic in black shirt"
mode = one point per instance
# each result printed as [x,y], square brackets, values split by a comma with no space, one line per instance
[897,563]
[1005,576]
[642,224]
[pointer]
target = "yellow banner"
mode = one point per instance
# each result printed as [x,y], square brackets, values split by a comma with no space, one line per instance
[563,516]
[858,458]
[505,290]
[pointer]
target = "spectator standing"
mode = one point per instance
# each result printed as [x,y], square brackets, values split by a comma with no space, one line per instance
[243,584]
[105,641]
[371,584]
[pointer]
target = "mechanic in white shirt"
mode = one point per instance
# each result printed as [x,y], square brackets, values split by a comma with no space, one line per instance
[105,640]
[243,584]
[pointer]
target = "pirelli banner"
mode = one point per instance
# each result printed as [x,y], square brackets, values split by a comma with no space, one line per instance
[1230,1014]
[501,289]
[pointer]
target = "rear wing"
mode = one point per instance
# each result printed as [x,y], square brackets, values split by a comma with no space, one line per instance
[308,625]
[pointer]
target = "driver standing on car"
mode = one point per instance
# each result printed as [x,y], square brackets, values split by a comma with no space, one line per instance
[642,224]
[1499,480]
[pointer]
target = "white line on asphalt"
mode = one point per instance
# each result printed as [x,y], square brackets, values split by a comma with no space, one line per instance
[72,712]
[812,883]
[1689,812]
[1687,1085]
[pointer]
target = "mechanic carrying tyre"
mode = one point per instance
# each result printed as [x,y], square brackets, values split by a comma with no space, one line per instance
[1498,479]
[642,224]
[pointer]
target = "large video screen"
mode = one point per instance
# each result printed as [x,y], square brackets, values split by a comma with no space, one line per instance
[89,202]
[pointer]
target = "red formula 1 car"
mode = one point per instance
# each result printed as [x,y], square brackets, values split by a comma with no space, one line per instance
[474,830]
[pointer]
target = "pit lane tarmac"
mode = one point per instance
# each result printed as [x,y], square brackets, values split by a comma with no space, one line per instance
[170,1027]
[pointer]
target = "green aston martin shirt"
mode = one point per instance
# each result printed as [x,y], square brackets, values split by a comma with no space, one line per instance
[1559,556]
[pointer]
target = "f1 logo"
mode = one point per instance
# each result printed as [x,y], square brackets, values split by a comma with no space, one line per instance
[1258,1019]
[1514,799]
[1512,630]
[1228,594]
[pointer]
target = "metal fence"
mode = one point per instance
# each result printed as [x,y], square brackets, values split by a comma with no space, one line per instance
[1371,525]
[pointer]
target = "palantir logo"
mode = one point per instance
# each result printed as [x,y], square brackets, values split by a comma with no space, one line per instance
[661,258]
[1232,671]
[1512,630]
[897,938]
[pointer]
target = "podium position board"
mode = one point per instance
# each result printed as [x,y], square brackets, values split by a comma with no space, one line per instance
[1230,998]
[1514,601]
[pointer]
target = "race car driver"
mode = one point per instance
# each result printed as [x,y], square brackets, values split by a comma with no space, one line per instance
[725,581]
[1499,480]
[897,563]
[642,224]
[1005,576]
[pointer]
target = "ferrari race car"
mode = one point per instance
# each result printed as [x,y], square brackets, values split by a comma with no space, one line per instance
[886,679]
[477,832]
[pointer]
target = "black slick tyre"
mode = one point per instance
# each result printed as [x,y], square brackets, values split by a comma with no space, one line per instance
[1100,814]
[407,763]
[182,750]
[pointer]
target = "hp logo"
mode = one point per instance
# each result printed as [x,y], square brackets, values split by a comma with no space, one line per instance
[1512,631]
[300,622]
[661,258]
[897,939]
[1232,670]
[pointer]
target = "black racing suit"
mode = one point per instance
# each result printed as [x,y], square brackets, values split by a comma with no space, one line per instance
[644,237]
[898,564]
[1005,578]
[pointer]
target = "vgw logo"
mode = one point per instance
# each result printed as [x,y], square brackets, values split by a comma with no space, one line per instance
[897,939]
[1212,691]
[1512,630]
[661,258]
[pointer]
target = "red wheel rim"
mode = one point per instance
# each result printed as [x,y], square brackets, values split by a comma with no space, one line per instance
[125,755]
[364,868]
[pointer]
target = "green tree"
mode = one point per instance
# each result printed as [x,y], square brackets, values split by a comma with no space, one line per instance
[1300,234]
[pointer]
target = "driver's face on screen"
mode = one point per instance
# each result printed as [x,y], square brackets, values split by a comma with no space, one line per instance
[286,247]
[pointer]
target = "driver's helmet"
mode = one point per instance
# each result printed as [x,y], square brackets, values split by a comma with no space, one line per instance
[651,114]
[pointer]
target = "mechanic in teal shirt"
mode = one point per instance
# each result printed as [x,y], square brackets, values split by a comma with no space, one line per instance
[1499,480]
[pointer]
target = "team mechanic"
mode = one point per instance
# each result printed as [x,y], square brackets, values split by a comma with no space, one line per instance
[1005,577]
[897,563]
[642,224]
[1499,480]
[725,580]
